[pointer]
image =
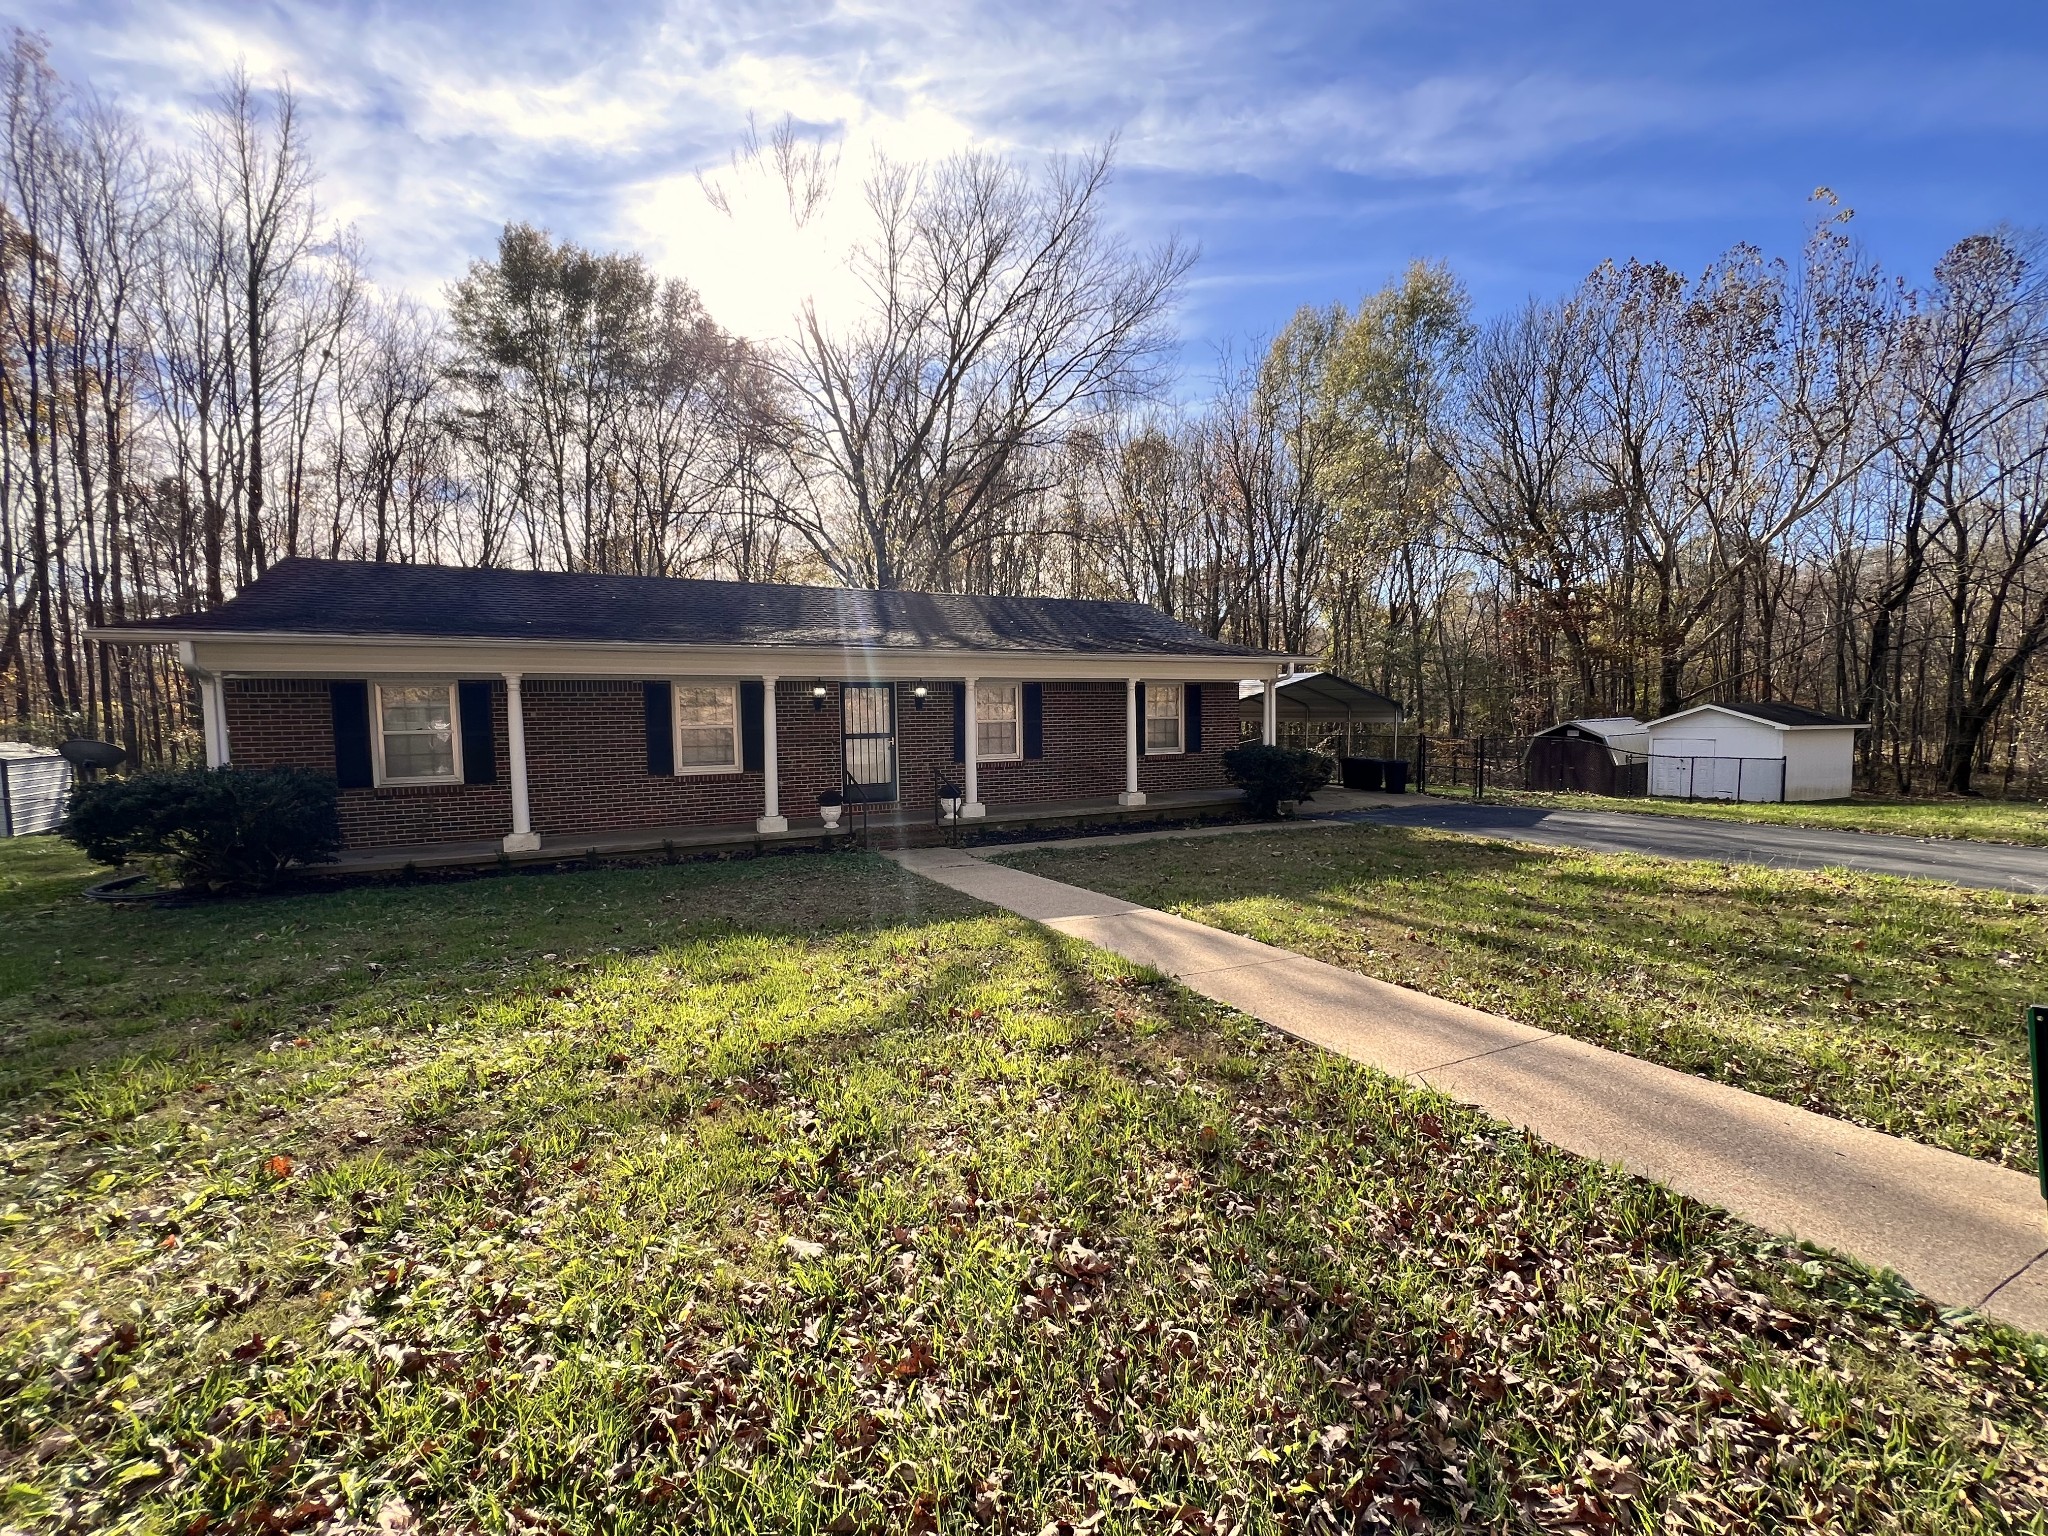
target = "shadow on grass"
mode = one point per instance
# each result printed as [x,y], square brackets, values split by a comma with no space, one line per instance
[90,994]
[856,1215]
[1894,1004]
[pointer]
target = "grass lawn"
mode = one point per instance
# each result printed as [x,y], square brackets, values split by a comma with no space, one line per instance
[1892,1003]
[1984,821]
[798,1195]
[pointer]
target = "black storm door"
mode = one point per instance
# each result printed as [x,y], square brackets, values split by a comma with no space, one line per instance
[870,741]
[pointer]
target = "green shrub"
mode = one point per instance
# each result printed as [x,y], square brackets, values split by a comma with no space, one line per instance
[215,829]
[1269,775]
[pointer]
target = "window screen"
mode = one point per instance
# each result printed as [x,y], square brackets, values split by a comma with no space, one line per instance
[707,726]
[416,723]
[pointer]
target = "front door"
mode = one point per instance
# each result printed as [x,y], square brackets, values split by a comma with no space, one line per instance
[870,714]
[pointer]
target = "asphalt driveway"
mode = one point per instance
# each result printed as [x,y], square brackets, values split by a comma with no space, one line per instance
[1992,866]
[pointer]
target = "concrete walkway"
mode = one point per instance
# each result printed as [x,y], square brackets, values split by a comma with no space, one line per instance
[1961,1231]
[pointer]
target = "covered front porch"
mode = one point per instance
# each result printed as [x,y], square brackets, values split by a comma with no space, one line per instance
[1006,743]
[887,826]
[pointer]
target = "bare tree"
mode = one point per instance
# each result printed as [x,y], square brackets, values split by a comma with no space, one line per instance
[260,178]
[1977,332]
[998,306]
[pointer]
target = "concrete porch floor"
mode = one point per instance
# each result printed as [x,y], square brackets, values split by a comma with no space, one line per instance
[892,827]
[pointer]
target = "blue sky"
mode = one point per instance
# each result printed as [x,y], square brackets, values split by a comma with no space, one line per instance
[1311,150]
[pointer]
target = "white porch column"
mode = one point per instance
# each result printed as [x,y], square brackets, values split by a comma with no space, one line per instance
[771,818]
[213,719]
[970,751]
[1272,722]
[522,838]
[1132,795]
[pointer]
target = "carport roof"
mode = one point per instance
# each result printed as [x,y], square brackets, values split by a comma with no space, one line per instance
[1313,693]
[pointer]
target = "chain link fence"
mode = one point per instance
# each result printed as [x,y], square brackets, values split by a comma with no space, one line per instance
[1588,766]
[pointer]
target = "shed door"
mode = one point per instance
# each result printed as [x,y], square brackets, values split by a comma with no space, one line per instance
[870,716]
[1681,767]
[1718,778]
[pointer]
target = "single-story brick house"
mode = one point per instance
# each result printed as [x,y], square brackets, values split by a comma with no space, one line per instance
[506,705]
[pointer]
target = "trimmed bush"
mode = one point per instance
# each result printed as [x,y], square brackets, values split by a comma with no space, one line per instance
[214,829]
[1269,775]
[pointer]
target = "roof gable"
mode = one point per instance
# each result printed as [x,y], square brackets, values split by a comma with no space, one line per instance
[1779,717]
[358,599]
[1602,726]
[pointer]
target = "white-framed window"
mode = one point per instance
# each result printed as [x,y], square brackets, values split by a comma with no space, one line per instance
[998,722]
[1163,717]
[416,736]
[707,727]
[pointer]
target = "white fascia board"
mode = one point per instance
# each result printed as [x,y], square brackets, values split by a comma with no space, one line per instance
[1710,709]
[352,656]
[1746,719]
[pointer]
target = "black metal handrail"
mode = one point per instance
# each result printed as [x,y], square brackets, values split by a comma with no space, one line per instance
[943,780]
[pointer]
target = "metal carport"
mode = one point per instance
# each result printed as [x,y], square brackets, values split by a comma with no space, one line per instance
[1309,698]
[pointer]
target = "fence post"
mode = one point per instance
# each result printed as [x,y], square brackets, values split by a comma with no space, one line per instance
[2037,1061]
[1421,764]
[1479,772]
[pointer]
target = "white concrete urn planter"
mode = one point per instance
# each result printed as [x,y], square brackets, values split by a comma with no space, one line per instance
[829,814]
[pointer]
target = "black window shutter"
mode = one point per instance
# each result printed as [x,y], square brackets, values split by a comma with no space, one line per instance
[1034,719]
[479,750]
[959,722]
[1191,714]
[351,705]
[753,729]
[1144,731]
[661,736]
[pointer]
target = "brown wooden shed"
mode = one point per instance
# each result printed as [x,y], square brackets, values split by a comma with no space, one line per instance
[1605,756]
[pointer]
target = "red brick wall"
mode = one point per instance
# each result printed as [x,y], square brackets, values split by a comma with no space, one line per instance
[586,766]
[810,747]
[287,722]
[586,751]
[1084,748]
[1197,770]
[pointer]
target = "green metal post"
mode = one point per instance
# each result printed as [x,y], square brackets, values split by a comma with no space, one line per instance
[2037,1057]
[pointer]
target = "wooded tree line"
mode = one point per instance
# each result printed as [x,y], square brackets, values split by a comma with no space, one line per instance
[1798,479]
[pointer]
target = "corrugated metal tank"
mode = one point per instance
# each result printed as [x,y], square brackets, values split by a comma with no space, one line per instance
[34,784]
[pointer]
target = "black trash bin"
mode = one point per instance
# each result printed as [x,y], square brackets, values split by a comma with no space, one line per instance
[1394,775]
[1362,773]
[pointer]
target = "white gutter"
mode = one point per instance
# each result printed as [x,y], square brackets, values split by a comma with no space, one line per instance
[275,653]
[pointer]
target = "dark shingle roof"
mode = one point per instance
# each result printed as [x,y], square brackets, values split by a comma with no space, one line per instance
[1784,714]
[340,597]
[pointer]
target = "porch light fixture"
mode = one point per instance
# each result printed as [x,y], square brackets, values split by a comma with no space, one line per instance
[819,693]
[920,693]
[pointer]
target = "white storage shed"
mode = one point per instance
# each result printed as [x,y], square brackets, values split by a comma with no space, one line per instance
[1766,751]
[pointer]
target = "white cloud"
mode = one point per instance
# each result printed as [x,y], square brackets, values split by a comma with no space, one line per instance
[435,125]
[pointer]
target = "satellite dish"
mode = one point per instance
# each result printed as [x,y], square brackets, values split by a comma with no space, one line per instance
[89,756]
